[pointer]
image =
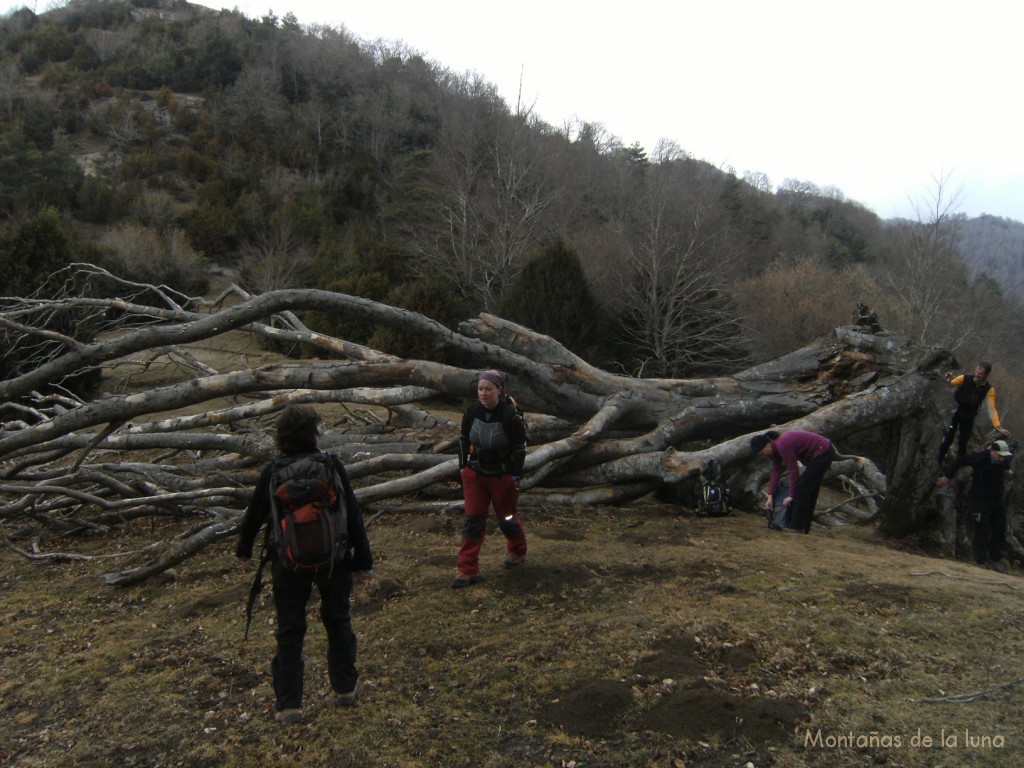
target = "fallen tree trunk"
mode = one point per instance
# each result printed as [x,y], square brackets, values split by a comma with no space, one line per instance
[193,439]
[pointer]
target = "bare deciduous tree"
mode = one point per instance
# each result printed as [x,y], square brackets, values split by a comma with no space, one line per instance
[929,281]
[145,254]
[277,255]
[487,194]
[12,88]
[254,107]
[678,313]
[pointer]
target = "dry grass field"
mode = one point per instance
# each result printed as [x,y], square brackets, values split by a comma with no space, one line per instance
[638,636]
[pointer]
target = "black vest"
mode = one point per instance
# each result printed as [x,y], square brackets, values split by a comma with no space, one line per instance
[970,395]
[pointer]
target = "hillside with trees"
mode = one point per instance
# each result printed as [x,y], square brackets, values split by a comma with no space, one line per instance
[167,141]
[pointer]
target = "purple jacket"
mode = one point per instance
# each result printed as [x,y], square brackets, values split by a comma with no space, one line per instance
[790,447]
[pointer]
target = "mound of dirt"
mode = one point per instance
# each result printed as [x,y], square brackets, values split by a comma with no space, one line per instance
[595,709]
[694,711]
[673,657]
[704,714]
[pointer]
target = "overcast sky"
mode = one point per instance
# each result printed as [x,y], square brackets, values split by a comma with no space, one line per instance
[875,98]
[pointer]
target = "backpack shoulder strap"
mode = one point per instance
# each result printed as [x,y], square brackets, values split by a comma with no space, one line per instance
[336,467]
[511,410]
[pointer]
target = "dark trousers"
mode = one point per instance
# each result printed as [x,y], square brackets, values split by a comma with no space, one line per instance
[480,492]
[291,594]
[808,485]
[988,521]
[962,422]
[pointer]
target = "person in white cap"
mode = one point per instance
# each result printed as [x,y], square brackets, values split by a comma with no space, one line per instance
[988,516]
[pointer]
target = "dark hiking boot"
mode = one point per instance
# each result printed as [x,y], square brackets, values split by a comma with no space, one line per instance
[464,581]
[345,699]
[288,716]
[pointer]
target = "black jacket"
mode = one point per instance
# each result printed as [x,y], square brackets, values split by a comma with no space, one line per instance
[987,476]
[258,513]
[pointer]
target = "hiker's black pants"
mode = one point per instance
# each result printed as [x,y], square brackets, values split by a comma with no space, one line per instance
[808,485]
[988,537]
[291,594]
[962,421]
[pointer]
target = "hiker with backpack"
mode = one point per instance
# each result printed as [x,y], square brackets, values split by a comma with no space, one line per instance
[492,450]
[815,452]
[315,536]
[971,391]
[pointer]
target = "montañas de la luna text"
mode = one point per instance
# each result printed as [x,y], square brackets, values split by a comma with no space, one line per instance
[951,739]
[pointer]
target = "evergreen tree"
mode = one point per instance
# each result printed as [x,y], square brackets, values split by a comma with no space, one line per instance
[30,255]
[33,251]
[551,296]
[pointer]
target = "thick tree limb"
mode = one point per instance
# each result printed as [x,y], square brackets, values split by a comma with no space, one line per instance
[173,554]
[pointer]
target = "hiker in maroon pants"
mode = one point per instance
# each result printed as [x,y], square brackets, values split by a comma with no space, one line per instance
[492,450]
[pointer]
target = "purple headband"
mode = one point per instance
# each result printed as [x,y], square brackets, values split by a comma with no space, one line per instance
[494,377]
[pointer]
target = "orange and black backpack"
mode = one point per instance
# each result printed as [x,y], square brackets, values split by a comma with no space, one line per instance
[308,516]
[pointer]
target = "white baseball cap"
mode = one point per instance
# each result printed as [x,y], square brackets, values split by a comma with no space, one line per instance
[1001,447]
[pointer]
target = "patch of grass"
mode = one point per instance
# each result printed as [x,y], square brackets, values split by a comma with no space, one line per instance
[634,638]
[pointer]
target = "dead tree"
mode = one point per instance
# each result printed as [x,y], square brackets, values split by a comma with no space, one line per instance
[182,430]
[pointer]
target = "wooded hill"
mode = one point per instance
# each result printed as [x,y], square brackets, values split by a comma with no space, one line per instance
[165,140]
[171,144]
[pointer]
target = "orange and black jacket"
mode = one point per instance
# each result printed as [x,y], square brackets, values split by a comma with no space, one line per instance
[969,396]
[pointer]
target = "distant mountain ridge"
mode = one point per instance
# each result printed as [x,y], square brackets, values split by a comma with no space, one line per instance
[994,246]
